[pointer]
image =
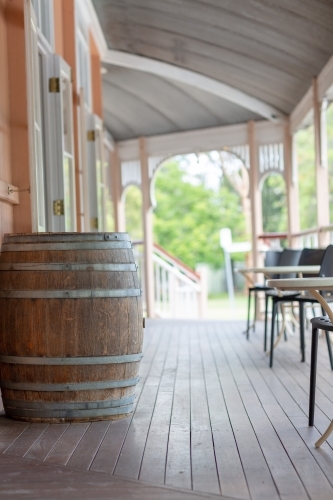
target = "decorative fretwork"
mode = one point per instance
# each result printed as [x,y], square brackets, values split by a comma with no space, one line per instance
[271,158]
[130,173]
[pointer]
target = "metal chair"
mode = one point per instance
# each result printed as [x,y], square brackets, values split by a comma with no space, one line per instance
[289,257]
[309,257]
[272,258]
[319,323]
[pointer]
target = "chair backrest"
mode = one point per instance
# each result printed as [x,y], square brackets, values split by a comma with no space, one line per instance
[311,257]
[289,257]
[272,259]
[326,269]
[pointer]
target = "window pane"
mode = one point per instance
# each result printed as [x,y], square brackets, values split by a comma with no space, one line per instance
[45,21]
[100,188]
[40,179]
[68,190]
[66,119]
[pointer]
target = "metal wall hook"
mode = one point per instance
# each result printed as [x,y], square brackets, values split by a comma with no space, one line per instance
[10,190]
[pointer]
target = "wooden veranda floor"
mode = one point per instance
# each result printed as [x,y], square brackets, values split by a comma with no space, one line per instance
[211,420]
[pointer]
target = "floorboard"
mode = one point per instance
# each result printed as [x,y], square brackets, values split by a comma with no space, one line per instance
[211,420]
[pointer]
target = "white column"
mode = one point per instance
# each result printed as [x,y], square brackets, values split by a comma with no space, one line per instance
[118,203]
[255,194]
[147,230]
[322,181]
[290,169]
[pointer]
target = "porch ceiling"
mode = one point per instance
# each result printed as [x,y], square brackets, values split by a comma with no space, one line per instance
[269,49]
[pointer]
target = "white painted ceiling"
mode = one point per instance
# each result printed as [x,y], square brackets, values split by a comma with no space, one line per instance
[269,49]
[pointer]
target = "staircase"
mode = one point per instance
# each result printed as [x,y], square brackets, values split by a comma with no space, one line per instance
[179,291]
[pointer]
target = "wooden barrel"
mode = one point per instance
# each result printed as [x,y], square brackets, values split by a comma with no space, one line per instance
[70,326]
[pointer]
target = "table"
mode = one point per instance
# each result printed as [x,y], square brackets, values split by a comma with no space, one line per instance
[269,271]
[312,285]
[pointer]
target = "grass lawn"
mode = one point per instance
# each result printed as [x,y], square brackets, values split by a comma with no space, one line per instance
[219,307]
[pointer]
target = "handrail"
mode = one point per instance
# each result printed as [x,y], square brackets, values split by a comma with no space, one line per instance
[174,260]
[305,232]
[176,272]
[324,229]
[273,236]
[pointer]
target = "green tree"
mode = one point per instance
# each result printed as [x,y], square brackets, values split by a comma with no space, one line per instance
[188,215]
[306,177]
[133,212]
[274,204]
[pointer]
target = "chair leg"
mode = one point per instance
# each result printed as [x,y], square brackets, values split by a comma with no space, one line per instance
[277,317]
[248,315]
[301,330]
[329,347]
[283,311]
[266,319]
[274,307]
[313,374]
[255,311]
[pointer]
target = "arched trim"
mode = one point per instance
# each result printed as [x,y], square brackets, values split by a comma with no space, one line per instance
[189,77]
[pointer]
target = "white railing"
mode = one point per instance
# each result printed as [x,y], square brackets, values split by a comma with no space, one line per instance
[313,237]
[308,238]
[179,291]
[328,230]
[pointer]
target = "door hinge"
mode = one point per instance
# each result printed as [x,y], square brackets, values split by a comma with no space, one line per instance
[58,207]
[90,135]
[94,223]
[54,84]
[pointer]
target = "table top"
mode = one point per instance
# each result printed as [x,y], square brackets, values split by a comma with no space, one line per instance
[281,270]
[302,284]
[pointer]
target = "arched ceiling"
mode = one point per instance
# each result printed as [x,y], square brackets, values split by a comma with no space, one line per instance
[269,49]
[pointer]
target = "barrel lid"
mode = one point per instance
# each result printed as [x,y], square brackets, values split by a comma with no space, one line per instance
[63,237]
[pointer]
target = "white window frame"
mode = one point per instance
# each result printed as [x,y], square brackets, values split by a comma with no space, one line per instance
[36,160]
[95,149]
[59,148]
[108,149]
[47,44]
[82,38]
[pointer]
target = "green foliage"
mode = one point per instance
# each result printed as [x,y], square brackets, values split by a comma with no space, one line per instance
[133,212]
[306,177]
[188,216]
[274,204]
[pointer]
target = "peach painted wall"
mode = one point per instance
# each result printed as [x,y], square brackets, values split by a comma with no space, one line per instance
[96,78]
[6,210]
[18,108]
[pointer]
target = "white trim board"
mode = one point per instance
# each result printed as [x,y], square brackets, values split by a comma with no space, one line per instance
[200,140]
[189,77]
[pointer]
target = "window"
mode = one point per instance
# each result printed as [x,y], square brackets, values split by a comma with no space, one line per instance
[44,15]
[109,212]
[97,174]
[83,61]
[60,163]
[37,186]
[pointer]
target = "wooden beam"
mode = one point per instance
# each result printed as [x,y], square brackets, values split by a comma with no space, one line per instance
[118,203]
[291,187]
[255,194]
[147,229]
[322,181]
[198,80]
